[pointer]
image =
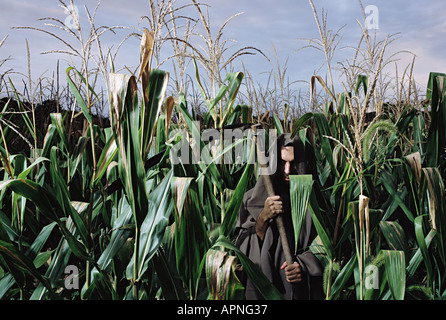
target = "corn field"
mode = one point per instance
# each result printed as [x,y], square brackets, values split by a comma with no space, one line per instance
[110,202]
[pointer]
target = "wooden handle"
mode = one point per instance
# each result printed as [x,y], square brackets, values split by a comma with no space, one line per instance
[279,220]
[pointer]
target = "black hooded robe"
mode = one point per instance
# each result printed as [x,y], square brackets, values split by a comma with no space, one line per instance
[268,254]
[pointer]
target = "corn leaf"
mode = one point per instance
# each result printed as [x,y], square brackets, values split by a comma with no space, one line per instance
[108,154]
[300,191]
[343,277]
[119,234]
[37,195]
[169,279]
[436,140]
[22,262]
[222,282]
[394,234]
[260,281]
[278,124]
[299,123]
[395,263]
[59,261]
[419,233]
[126,123]
[215,174]
[390,187]
[364,81]
[233,209]
[191,241]
[320,226]
[235,80]
[152,228]
[433,190]
[57,121]
[154,95]
[417,257]
[64,201]
[77,95]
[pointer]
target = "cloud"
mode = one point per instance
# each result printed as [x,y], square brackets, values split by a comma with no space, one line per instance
[262,23]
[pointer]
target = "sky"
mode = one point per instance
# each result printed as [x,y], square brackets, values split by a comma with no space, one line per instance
[263,24]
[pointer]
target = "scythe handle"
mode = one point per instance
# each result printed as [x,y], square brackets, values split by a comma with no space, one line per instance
[279,222]
[270,190]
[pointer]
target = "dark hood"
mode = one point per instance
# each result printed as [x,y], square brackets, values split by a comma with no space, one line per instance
[300,159]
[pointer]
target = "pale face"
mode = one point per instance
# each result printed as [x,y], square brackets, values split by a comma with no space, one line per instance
[286,165]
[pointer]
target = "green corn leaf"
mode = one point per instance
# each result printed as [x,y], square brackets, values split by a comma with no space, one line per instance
[169,279]
[38,196]
[77,95]
[64,200]
[153,226]
[161,137]
[76,156]
[320,226]
[260,281]
[342,278]
[6,282]
[235,80]
[233,209]
[100,289]
[57,121]
[395,263]
[343,103]
[379,125]
[362,80]
[419,233]
[48,140]
[418,125]
[218,97]
[33,191]
[222,282]
[108,154]
[436,140]
[300,191]
[197,76]
[417,257]
[24,173]
[41,239]
[394,234]
[41,258]
[299,123]
[59,261]
[125,117]
[153,102]
[324,131]
[278,124]
[433,191]
[119,234]
[190,240]
[215,159]
[386,180]
[214,172]
[22,262]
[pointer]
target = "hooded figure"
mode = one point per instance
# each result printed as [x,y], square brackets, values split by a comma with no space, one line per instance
[262,244]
